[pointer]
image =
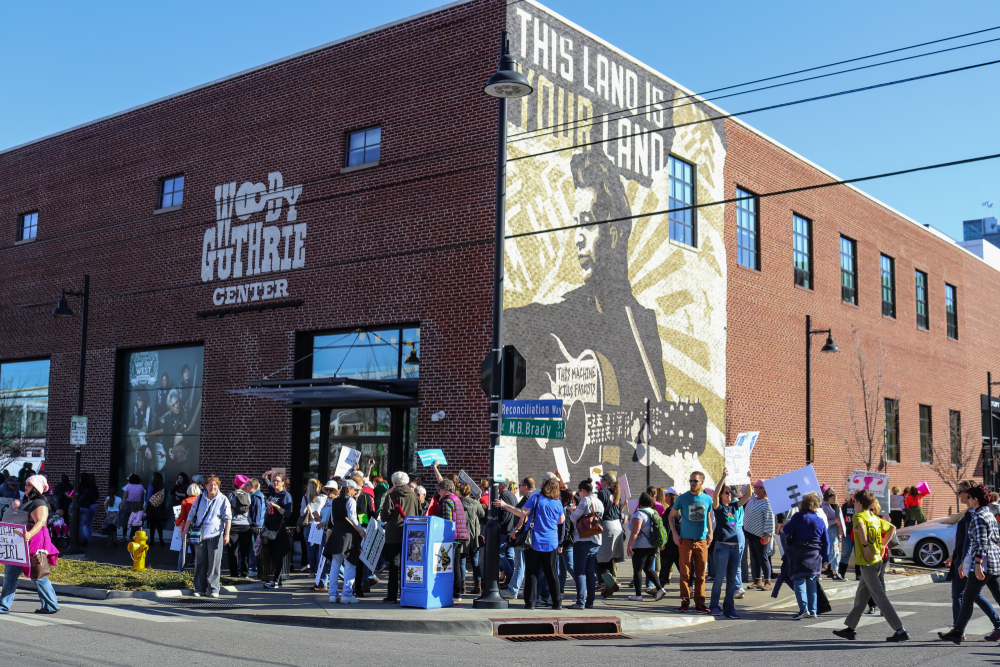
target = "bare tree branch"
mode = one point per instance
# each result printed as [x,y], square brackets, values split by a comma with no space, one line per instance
[956,460]
[866,440]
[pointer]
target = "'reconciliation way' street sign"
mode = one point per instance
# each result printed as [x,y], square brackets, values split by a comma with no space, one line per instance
[553,429]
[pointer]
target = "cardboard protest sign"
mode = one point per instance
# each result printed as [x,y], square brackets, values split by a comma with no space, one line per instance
[371,545]
[429,457]
[465,477]
[876,482]
[14,545]
[623,485]
[349,458]
[738,463]
[748,439]
[786,491]
[561,467]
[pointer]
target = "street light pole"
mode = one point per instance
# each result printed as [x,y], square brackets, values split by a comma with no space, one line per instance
[63,310]
[508,82]
[829,347]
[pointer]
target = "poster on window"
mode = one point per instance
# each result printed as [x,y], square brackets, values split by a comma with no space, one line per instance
[161,406]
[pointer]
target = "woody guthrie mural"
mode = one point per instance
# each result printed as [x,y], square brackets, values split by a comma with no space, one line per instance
[613,312]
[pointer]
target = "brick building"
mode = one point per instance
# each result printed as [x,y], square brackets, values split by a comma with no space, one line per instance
[307,224]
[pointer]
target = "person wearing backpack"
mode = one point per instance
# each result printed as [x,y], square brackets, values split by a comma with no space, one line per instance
[648,535]
[729,544]
[33,514]
[240,539]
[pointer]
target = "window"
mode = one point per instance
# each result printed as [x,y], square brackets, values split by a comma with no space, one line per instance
[888,286]
[384,354]
[28,227]
[955,432]
[746,230]
[364,146]
[926,451]
[171,191]
[951,309]
[892,430]
[682,226]
[24,402]
[921,280]
[848,271]
[802,242]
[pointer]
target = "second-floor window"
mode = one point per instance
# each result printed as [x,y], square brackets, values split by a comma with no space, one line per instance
[926,443]
[921,281]
[892,430]
[955,435]
[951,310]
[888,286]
[171,191]
[27,227]
[848,270]
[364,146]
[802,250]
[682,223]
[746,230]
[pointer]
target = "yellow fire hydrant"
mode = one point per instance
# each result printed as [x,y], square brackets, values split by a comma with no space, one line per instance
[138,548]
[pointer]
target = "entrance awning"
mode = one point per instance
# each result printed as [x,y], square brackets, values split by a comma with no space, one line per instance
[335,392]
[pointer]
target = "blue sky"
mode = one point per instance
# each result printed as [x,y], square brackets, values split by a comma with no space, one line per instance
[75,62]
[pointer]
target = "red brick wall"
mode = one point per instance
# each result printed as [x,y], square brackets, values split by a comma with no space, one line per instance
[95,188]
[766,335]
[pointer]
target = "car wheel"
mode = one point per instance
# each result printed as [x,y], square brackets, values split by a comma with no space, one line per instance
[930,552]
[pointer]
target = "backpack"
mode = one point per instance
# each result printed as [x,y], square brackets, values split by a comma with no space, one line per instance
[241,503]
[657,533]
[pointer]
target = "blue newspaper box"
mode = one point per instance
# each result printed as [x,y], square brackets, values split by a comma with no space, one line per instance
[428,562]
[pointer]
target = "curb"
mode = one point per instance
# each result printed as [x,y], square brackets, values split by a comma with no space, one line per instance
[104,594]
[847,592]
[653,623]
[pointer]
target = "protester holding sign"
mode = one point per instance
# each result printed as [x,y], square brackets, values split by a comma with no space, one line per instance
[42,554]
[475,513]
[399,503]
[729,544]
[758,526]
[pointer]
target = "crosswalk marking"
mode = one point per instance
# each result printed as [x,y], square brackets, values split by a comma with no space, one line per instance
[978,626]
[37,620]
[128,613]
[896,603]
[865,620]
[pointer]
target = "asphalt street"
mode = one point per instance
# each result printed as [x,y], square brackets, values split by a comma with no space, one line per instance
[148,633]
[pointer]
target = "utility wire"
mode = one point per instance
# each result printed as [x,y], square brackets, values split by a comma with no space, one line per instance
[803,71]
[760,196]
[576,125]
[759,109]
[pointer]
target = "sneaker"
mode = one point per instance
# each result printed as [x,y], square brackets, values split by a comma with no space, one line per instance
[506,594]
[811,615]
[544,603]
[733,615]
[351,600]
[576,606]
[659,595]
[837,577]
[702,609]
[214,595]
[739,594]
[253,573]
[799,616]
[993,636]
[608,592]
[846,633]
[716,612]
[635,598]
[685,607]
[269,584]
[870,610]
[898,637]
[198,595]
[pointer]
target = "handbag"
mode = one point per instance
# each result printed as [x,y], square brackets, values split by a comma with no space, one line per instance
[40,567]
[589,525]
[524,539]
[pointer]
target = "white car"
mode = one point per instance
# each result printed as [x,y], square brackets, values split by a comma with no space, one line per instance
[930,543]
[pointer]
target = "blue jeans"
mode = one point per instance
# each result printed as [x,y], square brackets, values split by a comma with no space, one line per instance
[805,593]
[565,568]
[957,589]
[585,571]
[313,553]
[506,555]
[517,576]
[87,522]
[253,556]
[45,593]
[727,566]
[832,557]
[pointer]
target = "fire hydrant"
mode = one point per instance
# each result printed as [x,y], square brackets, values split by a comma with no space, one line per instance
[138,548]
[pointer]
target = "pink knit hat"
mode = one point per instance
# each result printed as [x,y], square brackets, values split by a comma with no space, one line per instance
[240,481]
[39,482]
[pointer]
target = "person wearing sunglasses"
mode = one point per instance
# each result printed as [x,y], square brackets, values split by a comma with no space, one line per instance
[693,510]
[729,544]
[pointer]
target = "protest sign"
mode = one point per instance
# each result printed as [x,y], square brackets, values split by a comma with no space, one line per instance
[738,464]
[623,485]
[177,539]
[465,477]
[429,457]
[371,545]
[785,491]
[315,534]
[13,545]
[876,482]
[561,466]
[595,474]
[319,568]
[349,458]
[748,439]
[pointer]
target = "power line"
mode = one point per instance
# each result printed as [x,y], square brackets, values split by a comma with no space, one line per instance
[757,110]
[577,126]
[803,71]
[757,196]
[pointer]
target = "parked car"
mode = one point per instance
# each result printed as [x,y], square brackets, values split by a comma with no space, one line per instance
[928,544]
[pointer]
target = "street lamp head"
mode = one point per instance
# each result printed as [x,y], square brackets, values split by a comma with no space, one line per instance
[830,345]
[62,308]
[507,82]
[413,359]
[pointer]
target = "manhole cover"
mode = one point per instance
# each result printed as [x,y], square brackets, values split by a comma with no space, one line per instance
[535,638]
[193,604]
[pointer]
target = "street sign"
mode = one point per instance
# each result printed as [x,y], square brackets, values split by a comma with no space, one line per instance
[553,429]
[515,373]
[78,430]
[552,409]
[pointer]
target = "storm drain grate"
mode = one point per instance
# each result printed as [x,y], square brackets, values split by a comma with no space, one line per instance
[599,637]
[184,604]
[535,638]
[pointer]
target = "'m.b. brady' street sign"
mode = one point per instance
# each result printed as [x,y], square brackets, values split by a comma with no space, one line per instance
[553,429]
[552,409]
